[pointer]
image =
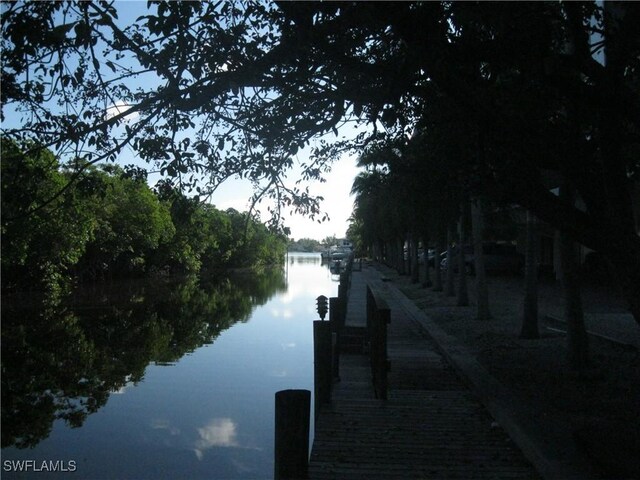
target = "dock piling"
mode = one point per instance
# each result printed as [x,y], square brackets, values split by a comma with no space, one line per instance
[292,434]
[378,316]
[322,363]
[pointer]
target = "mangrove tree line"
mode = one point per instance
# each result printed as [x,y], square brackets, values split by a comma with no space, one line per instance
[112,224]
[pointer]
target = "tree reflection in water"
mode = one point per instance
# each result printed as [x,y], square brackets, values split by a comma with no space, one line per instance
[62,358]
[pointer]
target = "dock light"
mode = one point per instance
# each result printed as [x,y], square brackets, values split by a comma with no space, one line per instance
[322,304]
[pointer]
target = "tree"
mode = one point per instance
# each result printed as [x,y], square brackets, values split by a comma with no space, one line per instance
[449,287]
[199,228]
[40,249]
[577,338]
[482,290]
[386,197]
[130,223]
[355,233]
[307,245]
[260,80]
[112,223]
[529,327]
[463,295]
[330,241]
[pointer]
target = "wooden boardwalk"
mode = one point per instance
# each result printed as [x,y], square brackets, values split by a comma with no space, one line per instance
[431,426]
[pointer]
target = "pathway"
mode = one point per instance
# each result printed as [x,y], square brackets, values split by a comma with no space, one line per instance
[431,426]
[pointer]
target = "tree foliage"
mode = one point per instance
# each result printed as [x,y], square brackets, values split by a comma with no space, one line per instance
[114,225]
[39,249]
[307,245]
[207,91]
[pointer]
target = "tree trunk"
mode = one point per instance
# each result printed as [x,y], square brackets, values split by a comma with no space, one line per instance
[449,288]
[624,252]
[386,252]
[437,272]
[578,344]
[408,265]
[463,293]
[530,311]
[400,256]
[482,290]
[425,249]
[413,252]
[393,255]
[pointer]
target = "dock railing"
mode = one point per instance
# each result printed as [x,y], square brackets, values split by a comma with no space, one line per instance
[378,317]
[343,289]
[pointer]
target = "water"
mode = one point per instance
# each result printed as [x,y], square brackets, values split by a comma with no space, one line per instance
[151,381]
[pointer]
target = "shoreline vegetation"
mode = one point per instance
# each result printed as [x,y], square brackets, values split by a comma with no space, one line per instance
[113,225]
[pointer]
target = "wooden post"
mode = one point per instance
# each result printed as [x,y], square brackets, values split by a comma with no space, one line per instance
[336,329]
[322,363]
[378,316]
[342,292]
[335,357]
[334,310]
[342,296]
[381,362]
[369,311]
[292,434]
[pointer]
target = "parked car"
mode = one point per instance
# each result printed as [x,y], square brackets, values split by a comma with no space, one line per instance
[498,258]
[431,256]
[468,259]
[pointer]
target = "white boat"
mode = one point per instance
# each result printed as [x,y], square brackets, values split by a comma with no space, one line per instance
[342,251]
[340,254]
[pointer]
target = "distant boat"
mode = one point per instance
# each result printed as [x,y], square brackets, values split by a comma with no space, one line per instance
[343,250]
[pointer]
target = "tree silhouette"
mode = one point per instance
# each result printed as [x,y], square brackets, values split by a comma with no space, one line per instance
[207,91]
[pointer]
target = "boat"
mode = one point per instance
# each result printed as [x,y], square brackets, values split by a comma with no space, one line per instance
[342,252]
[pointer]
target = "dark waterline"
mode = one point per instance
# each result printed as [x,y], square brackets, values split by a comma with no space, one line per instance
[178,386]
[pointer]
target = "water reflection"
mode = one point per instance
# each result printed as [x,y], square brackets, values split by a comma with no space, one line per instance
[308,258]
[63,359]
[219,432]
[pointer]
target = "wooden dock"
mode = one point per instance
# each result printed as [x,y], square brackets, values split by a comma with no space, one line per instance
[431,426]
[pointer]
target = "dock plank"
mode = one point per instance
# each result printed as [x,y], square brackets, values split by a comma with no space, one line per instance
[431,425]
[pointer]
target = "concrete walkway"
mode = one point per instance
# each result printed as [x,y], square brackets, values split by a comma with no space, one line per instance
[357,302]
[432,425]
[546,441]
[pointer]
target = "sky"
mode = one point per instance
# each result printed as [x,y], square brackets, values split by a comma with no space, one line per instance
[338,203]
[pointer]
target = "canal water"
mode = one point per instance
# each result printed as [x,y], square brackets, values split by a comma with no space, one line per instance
[164,379]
